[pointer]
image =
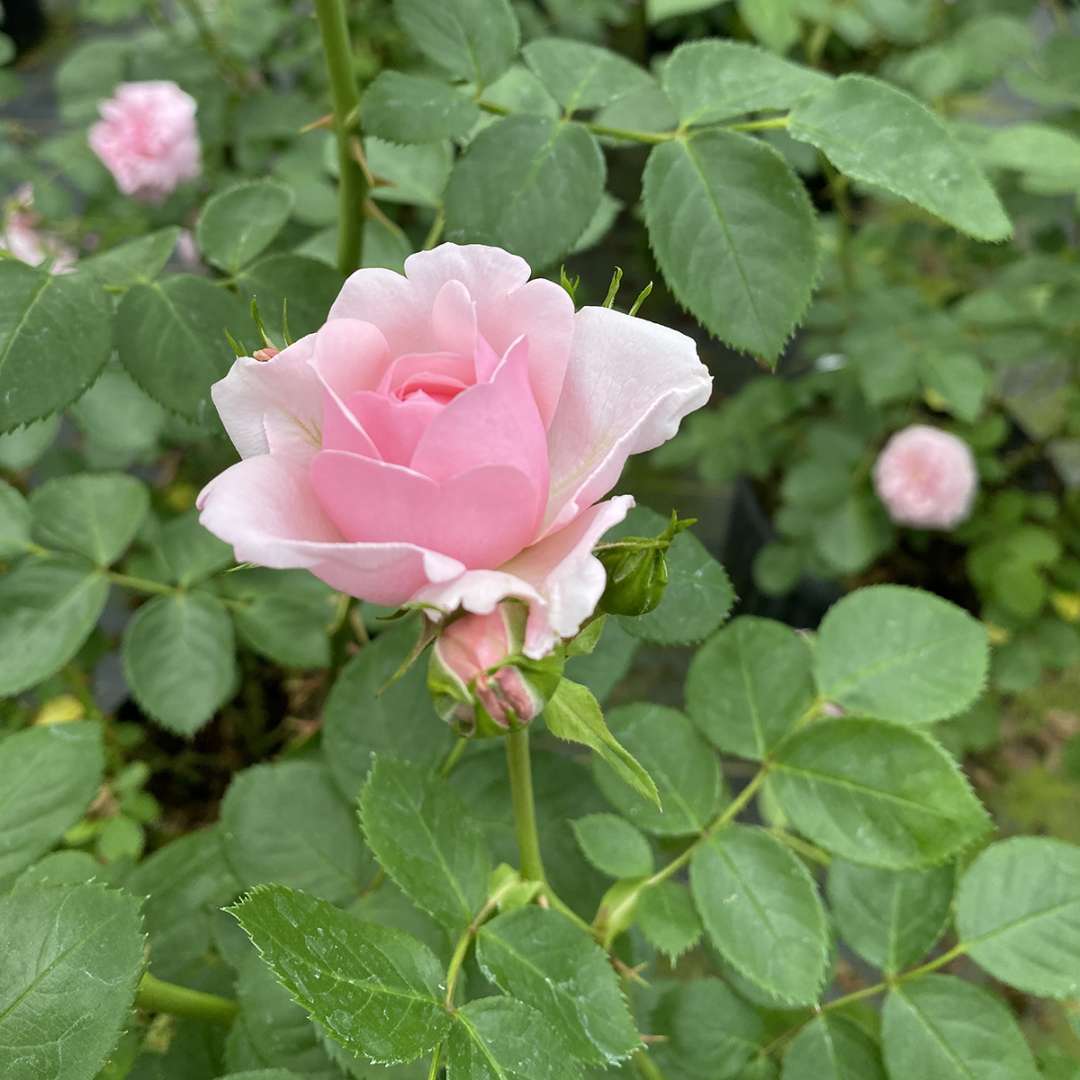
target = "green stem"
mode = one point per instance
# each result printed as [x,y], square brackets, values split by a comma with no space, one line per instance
[334,28]
[521,793]
[453,756]
[155,995]
[436,1060]
[769,124]
[139,584]
[456,961]
[646,1067]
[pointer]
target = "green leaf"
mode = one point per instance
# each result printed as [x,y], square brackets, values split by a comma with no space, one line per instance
[667,917]
[733,694]
[876,793]
[377,991]
[1018,914]
[238,223]
[852,535]
[54,339]
[832,1048]
[475,40]
[733,231]
[414,175]
[72,957]
[773,22]
[762,912]
[543,959]
[959,379]
[712,80]
[25,446]
[179,661]
[574,715]
[292,285]
[891,918]
[50,775]
[900,654]
[528,184]
[48,608]
[91,514]
[498,1038]
[170,335]
[942,1028]
[583,76]
[117,417]
[423,838]
[682,764]
[14,522]
[287,823]
[613,846]
[875,133]
[190,551]
[602,669]
[416,109]
[139,260]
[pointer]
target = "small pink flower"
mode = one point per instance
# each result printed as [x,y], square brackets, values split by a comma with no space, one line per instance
[21,238]
[446,439]
[926,478]
[147,139]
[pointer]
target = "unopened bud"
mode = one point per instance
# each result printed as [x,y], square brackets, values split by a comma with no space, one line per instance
[637,572]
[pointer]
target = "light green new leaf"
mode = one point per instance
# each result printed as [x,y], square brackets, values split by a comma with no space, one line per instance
[583,76]
[942,1028]
[875,133]
[762,912]
[891,918]
[733,231]
[900,654]
[1018,914]
[293,288]
[288,824]
[573,714]
[526,183]
[139,260]
[48,608]
[498,1038]
[667,917]
[179,659]
[50,776]
[832,1048]
[91,514]
[876,793]
[712,80]
[540,957]
[238,223]
[72,957]
[613,846]
[407,108]
[733,694]
[14,522]
[423,837]
[54,339]
[376,990]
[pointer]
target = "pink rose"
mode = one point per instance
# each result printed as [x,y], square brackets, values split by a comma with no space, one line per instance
[147,139]
[926,478]
[21,239]
[446,437]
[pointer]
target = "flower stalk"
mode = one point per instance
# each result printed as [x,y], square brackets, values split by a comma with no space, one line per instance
[521,793]
[156,995]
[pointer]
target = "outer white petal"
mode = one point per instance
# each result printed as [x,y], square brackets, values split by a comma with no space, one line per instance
[629,384]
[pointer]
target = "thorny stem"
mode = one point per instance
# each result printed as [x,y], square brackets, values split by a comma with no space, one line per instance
[156,995]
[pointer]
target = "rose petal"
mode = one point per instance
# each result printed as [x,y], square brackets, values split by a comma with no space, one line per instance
[453,319]
[395,427]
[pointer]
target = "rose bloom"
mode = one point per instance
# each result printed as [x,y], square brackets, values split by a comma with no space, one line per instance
[22,240]
[446,438]
[147,139]
[926,478]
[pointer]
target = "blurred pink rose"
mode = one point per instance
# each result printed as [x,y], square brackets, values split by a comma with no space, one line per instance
[445,439]
[147,139]
[926,478]
[20,237]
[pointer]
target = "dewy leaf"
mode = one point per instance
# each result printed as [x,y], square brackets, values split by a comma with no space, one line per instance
[613,846]
[375,990]
[583,76]
[287,823]
[71,959]
[408,108]
[526,183]
[833,1048]
[667,917]
[876,793]
[762,912]
[1018,914]
[54,339]
[682,764]
[875,133]
[50,775]
[540,957]
[573,714]
[733,693]
[942,1028]
[48,607]
[179,659]
[891,918]
[423,837]
[900,654]
[712,80]
[475,40]
[498,1038]
[92,514]
[14,522]
[733,231]
[238,223]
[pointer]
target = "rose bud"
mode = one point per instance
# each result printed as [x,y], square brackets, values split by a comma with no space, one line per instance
[480,680]
[637,572]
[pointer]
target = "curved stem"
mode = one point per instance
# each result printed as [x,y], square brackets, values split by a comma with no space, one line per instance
[646,1067]
[156,995]
[521,794]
